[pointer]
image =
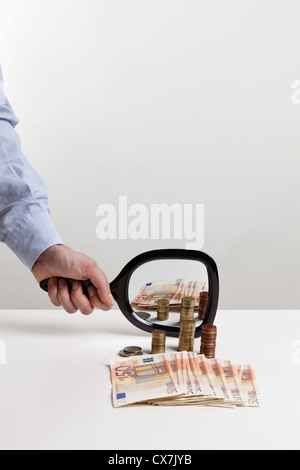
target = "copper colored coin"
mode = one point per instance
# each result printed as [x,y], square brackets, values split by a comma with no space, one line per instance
[203,301]
[209,327]
[208,341]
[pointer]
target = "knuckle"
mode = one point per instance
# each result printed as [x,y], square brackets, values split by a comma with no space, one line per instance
[53,299]
[90,266]
[75,294]
[60,298]
[94,303]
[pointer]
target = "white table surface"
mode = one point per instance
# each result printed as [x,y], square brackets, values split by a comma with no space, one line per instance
[55,388]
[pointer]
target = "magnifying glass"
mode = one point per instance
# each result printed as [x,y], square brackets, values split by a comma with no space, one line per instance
[171,274]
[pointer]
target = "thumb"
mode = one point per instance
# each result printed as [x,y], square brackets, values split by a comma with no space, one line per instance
[99,280]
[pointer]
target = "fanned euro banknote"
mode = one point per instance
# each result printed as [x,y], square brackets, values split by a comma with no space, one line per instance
[172,289]
[182,378]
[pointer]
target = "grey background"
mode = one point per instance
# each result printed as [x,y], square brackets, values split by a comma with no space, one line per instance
[113,96]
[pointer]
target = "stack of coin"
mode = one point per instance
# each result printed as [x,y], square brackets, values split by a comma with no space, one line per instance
[208,341]
[187,308]
[163,307]
[203,305]
[131,351]
[187,335]
[158,341]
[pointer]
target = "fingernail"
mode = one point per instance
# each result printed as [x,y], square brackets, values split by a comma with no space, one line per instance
[75,285]
[51,282]
[91,291]
[61,284]
[111,299]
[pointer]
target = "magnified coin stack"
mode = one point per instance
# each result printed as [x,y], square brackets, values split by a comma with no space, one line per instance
[158,341]
[208,341]
[187,309]
[163,308]
[131,351]
[203,305]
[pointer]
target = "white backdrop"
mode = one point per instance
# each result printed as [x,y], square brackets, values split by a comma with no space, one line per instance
[163,101]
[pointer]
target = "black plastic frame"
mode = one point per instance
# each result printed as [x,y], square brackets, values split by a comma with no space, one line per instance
[120,287]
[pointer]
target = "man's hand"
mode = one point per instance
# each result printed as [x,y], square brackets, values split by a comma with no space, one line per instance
[61,261]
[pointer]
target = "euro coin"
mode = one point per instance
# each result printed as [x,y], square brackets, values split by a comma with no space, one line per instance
[163,308]
[158,341]
[187,308]
[208,341]
[203,301]
[123,353]
[132,349]
[143,315]
[187,335]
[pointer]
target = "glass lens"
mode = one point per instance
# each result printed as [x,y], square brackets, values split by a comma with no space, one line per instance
[157,288]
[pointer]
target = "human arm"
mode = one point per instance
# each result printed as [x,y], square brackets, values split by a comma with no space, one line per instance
[27,229]
[25,223]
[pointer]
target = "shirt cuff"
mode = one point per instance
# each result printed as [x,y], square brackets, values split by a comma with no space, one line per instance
[32,236]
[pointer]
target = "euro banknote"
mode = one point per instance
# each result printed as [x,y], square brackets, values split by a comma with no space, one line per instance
[182,378]
[139,378]
[172,289]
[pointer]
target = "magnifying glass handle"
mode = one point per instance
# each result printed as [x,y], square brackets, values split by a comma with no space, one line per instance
[85,284]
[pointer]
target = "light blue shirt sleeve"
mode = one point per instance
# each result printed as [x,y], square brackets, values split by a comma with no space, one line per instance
[25,223]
